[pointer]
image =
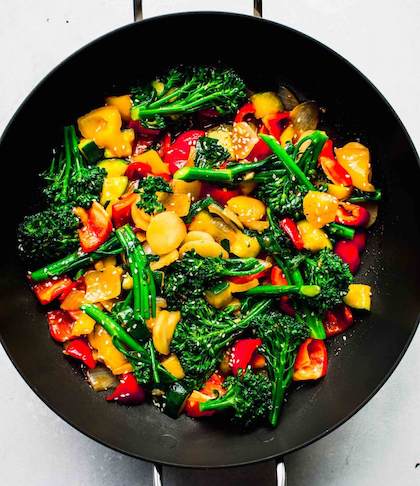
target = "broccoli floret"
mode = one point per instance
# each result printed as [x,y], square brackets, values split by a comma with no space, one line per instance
[281,335]
[204,332]
[282,195]
[327,270]
[148,187]
[187,91]
[248,397]
[48,235]
[186,279]
[209,153]
[69,180]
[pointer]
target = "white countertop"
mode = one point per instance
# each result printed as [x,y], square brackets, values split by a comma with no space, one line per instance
[378,446]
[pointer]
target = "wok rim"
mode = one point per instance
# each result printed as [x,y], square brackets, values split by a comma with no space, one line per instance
[411,147]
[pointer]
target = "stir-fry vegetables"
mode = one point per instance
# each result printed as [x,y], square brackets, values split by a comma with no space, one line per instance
[200,246]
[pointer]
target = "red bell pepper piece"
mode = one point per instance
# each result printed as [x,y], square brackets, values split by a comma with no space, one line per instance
[137,170]
[121,210]
[213,388]
[79,284]
[277,123]
[50,289]
[241,353]
[246,111]
[292,231]
[165,143]
[359,239]
[338,320]
[247,278]
[60,325]
[260,150]
[178,153]
[311,360]
[335,172]
[258,361]
[96,230]
[352,215]
[128,392]
[219,194]
[349,253]
[80,349]
[277,277]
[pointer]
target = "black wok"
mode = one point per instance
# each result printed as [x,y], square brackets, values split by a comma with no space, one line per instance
[354,110]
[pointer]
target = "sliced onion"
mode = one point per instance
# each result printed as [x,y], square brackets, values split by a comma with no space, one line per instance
[226,214]
[101,378]
[305,116]
[372,208]
[288,99]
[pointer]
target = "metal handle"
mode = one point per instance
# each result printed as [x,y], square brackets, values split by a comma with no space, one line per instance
[138,9]
[280,474]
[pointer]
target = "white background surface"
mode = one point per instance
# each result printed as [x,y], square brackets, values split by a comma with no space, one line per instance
[381,444]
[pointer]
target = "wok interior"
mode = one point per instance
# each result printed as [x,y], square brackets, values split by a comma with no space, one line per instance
[354,110]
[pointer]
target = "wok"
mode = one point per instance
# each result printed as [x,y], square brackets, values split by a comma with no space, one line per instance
[354,110]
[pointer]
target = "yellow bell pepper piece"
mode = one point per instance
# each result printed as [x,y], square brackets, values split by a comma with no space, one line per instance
[219,300]
[355,158]
[244,246]
[140,217]
[266,103]
[83,324]
[193,189]
[314,239]
[287,136]
[340,192]
[123,105]
[152,158]
[113,167]
[113,188]
[163,330]
[173,365]
[109,261]
[102,285]
[101,125]
[320,208]
[121,144]
[359,297]
[178,203]
[106,352]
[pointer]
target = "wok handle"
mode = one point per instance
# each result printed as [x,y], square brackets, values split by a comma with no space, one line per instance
[138,9]
[280,474]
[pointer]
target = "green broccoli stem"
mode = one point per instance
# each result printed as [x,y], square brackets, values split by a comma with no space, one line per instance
[219,175]
[68,162]
[366,197]
[281,381]
[144,291]
[305,290]
[340,231]
[115,330]
[249,266]
[315,325]
[119,334]
[222,403]
[154,362]
[240,326]
[334,228]
[76,261]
